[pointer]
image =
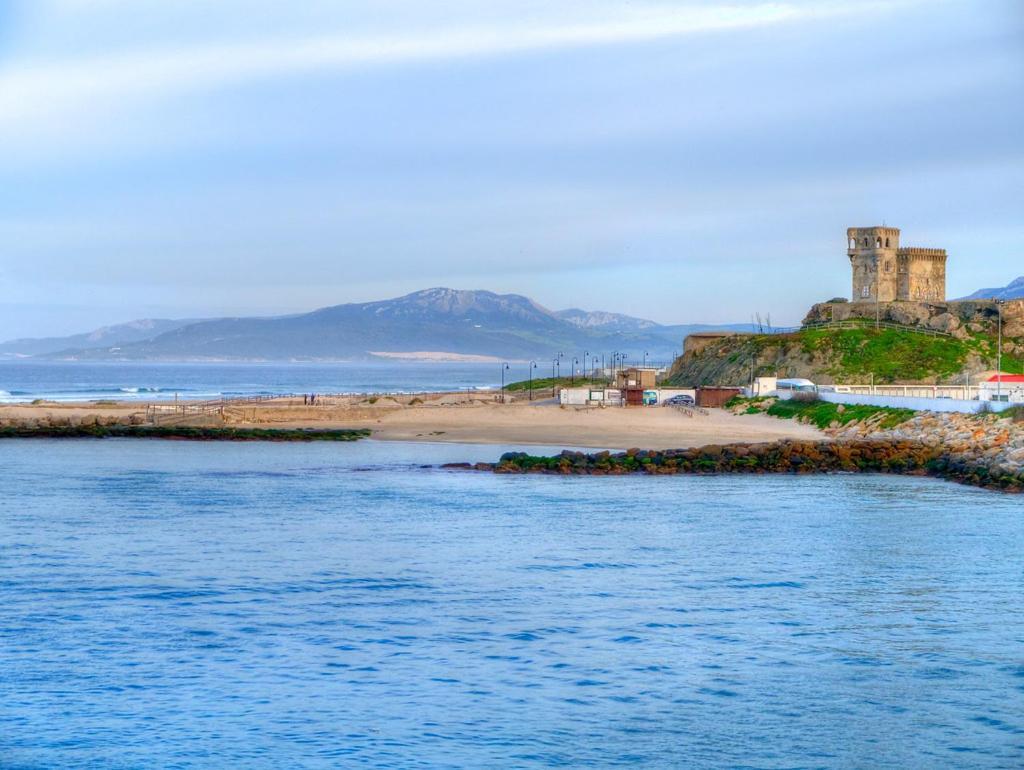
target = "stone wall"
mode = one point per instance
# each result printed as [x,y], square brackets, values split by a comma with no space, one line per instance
[922,275]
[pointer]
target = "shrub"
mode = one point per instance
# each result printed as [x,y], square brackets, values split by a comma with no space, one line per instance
[805,397]
[1015,413]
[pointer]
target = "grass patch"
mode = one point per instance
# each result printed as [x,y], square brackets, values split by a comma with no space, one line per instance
[823,414]
[540,383]
[1015,413]
[888,354]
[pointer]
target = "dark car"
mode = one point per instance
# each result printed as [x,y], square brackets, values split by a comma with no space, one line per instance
[680,400]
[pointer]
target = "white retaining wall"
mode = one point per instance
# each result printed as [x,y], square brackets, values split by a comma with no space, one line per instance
[913,402]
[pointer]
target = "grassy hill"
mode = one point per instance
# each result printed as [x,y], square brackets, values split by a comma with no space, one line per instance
[848,355]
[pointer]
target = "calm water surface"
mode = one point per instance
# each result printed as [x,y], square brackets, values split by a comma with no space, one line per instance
[165,604]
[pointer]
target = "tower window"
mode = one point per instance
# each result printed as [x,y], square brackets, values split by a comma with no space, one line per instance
[886,243]
[865,242]
[878,243]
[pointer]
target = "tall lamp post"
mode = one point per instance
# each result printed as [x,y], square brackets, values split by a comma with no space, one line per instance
[554,363]
[572,374]
[533,365]
[999,353]
[504,368]
[585,354]
[645,359]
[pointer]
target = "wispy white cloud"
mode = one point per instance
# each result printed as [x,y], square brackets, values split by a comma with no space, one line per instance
[30,92]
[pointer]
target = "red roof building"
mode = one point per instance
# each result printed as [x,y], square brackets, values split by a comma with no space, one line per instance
[1006,378]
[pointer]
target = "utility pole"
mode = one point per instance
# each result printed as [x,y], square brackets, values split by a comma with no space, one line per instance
[533,365]
[504,367]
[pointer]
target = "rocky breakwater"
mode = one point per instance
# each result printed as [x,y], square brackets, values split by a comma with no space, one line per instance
[982,449]
[862,455]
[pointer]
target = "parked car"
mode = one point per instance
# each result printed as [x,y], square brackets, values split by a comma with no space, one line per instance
[680,400]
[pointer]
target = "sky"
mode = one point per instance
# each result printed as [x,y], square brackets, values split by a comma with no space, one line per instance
[684,162]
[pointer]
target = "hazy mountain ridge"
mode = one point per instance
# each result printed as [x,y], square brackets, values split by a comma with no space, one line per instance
[458,322]
[1013,290]
[599,319]
[113,335]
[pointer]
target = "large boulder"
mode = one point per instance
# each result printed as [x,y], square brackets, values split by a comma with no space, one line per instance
[908,313]
[945,322]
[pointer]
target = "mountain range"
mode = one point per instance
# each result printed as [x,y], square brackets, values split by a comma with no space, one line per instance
[435,323]
[1013,290]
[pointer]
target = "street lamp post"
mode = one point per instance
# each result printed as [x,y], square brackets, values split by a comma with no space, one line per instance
[645,359]
[572,374]
[533,365]
[504,368]
[554,362]
[999,353]
[585,354]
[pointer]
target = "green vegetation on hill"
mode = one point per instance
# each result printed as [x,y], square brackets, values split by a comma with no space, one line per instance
[846,355]
[824,414]
[888,354]
[820,413]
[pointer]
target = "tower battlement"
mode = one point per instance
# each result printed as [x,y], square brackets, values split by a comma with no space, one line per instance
[884,271]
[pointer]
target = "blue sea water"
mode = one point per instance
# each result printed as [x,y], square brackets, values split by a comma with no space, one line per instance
[197,605]
[24,381]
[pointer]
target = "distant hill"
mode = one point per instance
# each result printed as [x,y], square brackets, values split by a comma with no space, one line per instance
[608,322]
[106,336]
[441,322]
[1013,290]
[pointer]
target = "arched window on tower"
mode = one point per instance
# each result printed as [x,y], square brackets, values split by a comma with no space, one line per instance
[865,242]
[853,243]
[886,243]
[878,242]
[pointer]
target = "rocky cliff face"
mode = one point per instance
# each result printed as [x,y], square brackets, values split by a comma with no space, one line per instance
[960,318]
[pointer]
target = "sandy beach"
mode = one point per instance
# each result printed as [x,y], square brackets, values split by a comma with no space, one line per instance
[455,418]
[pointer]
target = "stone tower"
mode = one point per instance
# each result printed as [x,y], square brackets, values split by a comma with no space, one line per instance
[884,272]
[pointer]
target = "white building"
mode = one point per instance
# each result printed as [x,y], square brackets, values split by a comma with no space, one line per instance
[1006,387]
